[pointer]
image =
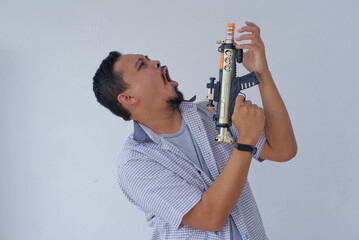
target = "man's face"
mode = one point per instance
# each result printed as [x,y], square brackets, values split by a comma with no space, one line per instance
[148,81]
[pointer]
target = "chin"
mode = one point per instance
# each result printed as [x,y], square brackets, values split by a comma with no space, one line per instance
[176,100]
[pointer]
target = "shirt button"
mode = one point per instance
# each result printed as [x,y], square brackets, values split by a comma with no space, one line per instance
[199,171]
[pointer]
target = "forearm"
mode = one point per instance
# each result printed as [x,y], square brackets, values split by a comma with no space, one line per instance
[223,194]
[212,212]
[278,127]
[217,202]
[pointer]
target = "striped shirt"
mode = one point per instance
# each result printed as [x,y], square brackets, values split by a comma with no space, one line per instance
[165,184]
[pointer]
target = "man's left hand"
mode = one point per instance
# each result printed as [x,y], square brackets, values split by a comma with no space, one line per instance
[254,60]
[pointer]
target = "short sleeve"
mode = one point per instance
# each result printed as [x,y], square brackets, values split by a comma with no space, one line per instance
[259,147]
[158,190]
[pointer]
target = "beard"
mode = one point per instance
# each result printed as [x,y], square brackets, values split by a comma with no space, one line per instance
[175,101]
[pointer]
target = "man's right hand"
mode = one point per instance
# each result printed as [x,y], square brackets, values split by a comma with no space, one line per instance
[249,121]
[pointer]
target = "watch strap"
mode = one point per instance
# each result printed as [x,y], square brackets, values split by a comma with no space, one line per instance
[245,147]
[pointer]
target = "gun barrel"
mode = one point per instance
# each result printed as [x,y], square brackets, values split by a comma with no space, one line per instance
[226,71]
[230,31]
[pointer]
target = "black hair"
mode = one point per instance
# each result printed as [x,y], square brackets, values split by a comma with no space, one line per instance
[107,85]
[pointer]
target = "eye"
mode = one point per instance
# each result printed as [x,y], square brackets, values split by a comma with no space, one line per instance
[141,65]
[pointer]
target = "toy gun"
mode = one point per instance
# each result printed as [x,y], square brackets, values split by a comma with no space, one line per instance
[227,88]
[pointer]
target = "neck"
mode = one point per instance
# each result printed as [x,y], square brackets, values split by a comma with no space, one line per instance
[166,122]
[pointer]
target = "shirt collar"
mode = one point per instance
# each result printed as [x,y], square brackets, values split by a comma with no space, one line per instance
[191,100]
[141,133]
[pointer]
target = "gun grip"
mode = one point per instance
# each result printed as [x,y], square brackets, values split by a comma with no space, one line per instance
[239,55]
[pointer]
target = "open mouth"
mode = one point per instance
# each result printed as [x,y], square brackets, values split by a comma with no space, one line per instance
[166,77]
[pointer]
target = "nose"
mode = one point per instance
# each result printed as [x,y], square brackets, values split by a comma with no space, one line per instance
[157,63]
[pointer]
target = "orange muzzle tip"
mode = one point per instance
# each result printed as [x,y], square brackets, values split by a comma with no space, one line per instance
[210,108]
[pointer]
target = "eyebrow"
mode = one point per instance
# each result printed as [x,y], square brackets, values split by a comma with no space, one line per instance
[139,60]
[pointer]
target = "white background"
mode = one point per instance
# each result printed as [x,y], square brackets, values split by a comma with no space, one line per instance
[59,147]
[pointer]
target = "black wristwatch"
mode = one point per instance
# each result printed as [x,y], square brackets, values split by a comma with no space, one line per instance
[246,148]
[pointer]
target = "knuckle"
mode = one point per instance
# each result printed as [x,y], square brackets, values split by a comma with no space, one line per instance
[244,109]
[259,112]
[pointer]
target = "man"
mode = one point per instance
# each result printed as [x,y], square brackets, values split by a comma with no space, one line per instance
[190,186]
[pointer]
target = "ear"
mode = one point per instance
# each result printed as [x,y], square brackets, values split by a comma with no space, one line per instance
[126,99]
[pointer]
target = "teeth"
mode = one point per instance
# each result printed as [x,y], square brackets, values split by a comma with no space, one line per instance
[167,76]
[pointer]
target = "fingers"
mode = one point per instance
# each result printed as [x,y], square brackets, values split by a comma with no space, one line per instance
[244,46]
[246,37]
[254,37]
[253,30]
[255,106]
[251,23]
[251,27]
[239,100]
[247,103]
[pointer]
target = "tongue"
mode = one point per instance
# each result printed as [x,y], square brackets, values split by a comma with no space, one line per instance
[170,81]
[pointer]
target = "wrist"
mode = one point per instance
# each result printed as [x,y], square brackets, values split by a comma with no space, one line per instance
[247,141]
[264,75]
[246,148]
